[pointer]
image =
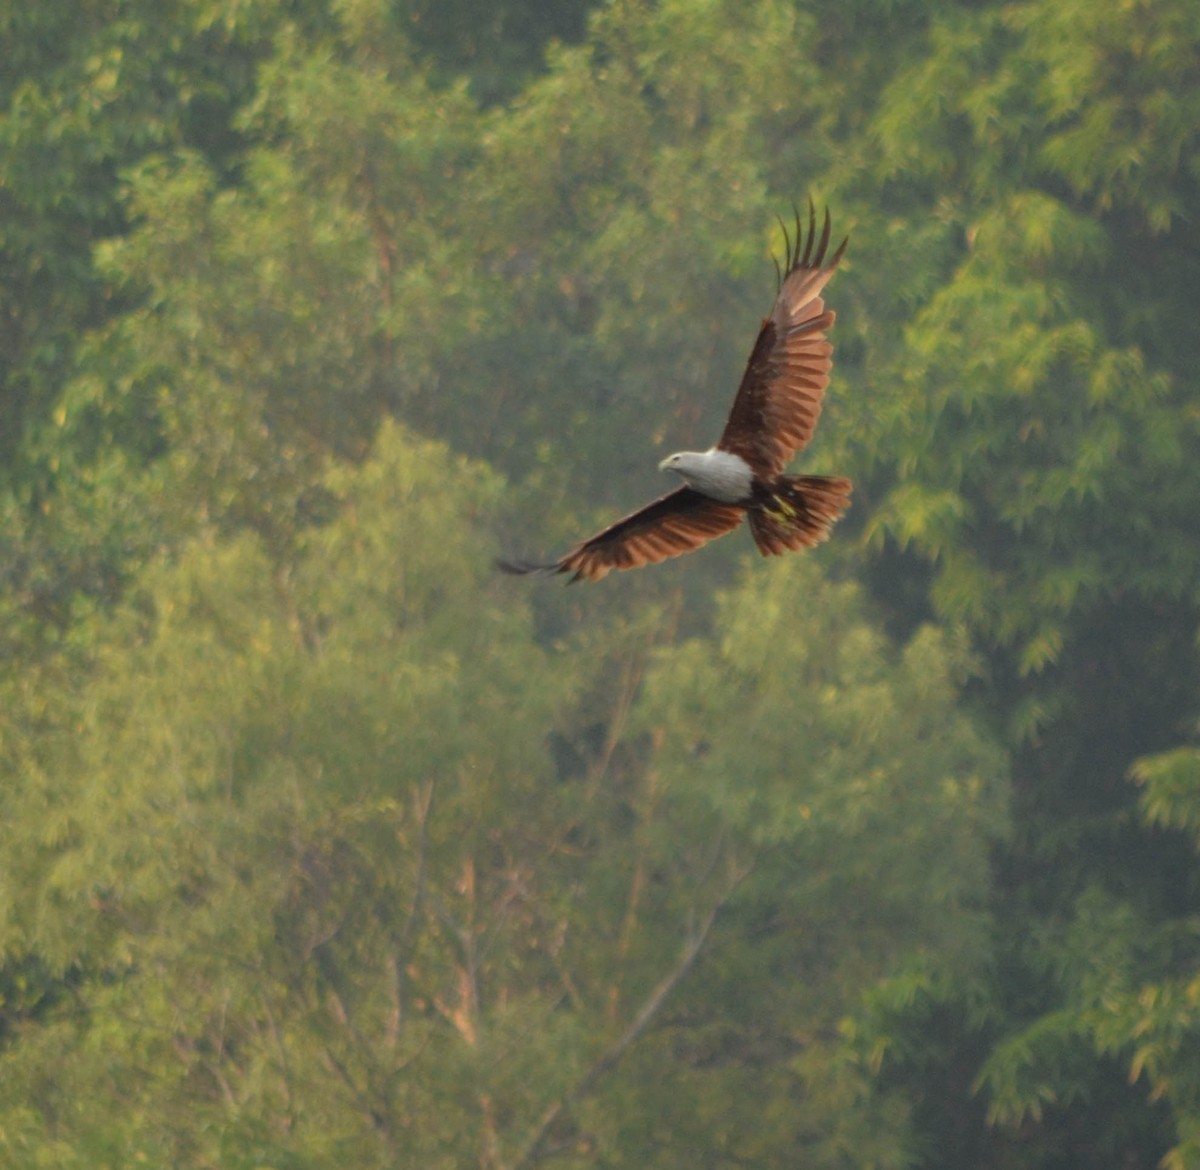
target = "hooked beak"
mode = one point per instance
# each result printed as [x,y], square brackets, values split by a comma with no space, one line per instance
[665,465]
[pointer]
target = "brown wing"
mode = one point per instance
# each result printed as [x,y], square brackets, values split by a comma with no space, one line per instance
[779,401]
[676,523]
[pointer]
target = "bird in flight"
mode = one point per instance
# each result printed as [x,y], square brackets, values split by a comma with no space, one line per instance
[774,415]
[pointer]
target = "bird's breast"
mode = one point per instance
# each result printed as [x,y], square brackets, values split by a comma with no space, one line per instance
[723,476]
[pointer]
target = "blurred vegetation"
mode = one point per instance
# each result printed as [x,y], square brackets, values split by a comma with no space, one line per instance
[322,845]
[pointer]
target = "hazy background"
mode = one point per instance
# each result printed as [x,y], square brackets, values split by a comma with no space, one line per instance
[321,845]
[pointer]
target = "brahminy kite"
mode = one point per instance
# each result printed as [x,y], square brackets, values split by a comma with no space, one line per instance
[774,415]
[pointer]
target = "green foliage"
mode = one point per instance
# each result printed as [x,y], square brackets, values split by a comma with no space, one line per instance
[499,46]
[863,806]
[1037,445]
[1172,789]
[319,847]
[1030,435]
[87,93]
[258,770]
[307,850]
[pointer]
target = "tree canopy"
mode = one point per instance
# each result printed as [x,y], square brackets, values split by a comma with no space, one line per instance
[322,844]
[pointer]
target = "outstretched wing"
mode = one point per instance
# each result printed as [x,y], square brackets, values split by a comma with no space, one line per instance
[779,401]
[676,523]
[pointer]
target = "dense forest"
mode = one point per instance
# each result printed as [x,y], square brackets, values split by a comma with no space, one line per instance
[322,844]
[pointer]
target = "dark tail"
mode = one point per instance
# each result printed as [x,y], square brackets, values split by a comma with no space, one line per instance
[797,511]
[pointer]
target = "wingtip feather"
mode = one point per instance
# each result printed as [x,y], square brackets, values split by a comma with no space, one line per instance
[807,249]
[526,568]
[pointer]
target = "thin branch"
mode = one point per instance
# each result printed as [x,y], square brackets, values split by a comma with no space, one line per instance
[362,1101]
[653,1004]
[399,955]
[284,1063]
